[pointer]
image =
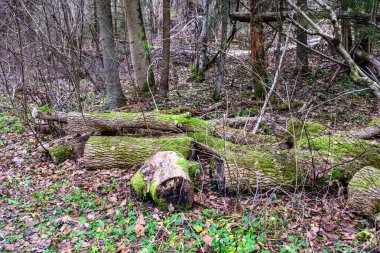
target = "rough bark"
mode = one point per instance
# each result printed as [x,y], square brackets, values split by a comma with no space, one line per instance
[115,96]
[105,152]
[119,122]
[346,28]
[223,47]
[203,41]
[364,192]
[302,53]
[138,44]
[165,177]
[165,62]
[315,161]
[257,48]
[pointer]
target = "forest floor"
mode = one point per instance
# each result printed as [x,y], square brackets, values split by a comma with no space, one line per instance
[47,207]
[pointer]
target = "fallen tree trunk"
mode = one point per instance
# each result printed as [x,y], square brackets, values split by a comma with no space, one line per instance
[367,133]
[364,192]
[119,122]
[105,152]
[166,178]
[317,156]
[371,59]
[317,159]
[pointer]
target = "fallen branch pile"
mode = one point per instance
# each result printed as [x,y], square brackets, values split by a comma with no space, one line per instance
[306,155]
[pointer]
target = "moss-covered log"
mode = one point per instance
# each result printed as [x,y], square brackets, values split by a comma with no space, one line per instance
[120,122]
[68,147]
[166,178]
[104,152]
[316,159]
[364,192]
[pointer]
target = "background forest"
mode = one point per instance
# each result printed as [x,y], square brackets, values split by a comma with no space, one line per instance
[189,126]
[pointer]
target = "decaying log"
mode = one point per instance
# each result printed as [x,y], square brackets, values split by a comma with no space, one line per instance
[367,133]
[316,159]
[68,147]
[371,59]
[364,192]
[117,122]
[166,178]
[105,152]
[56,117]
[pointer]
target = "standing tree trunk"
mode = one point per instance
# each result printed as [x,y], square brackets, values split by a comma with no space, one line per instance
[203,39]
[139,46]
[115,96]
[257,48]
[374,11]
[346,28]
[223,46]
[302,54]
[164,83]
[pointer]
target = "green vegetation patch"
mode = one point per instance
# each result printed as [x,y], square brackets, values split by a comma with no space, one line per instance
[60,153]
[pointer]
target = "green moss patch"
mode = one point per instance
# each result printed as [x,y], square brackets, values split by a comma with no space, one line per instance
[138,183]
[186,121]
[61,153]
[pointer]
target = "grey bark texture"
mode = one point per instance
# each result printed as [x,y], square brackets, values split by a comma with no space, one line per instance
[203,40]
[223,44]
[115,96]
[302,53]
[165,62]
[140,55]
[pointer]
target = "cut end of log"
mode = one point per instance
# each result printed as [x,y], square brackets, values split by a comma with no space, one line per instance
[175,192]
[166,178]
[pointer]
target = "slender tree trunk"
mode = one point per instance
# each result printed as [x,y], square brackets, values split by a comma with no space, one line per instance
[374,11]
[115,96]
[346,28]
[96,31]
[223,45]
[164,82]
[257,49]
[302,53]
[139,46]
[203,40]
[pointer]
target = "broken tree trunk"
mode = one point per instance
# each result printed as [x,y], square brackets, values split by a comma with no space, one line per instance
[68,147]
[364,191]
[166,178]
[105,152]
